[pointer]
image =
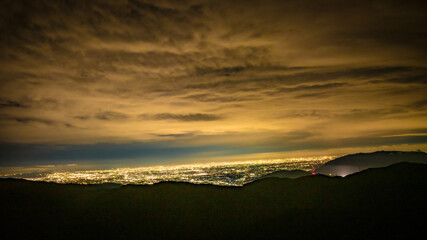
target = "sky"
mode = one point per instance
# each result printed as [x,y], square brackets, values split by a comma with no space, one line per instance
[129,82]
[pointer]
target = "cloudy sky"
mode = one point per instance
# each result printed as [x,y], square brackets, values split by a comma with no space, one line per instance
[129,82]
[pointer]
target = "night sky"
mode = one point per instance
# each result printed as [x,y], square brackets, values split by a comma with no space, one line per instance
[124,83]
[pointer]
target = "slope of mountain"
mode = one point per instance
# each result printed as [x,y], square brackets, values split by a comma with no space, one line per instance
[357,162]
[385,203]
[287,174]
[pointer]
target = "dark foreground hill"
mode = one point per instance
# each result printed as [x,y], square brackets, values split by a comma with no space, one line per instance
[287,174]
[377,203]
[357,162]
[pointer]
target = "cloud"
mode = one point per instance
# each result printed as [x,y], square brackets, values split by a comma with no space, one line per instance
[314,95]
[298,78]
[190,117]
[82,117]
[313,89]
[9,103]
[418,79]
[177,135]
[203,71]
[215,98]
[110,115]
[417,105]
[27,120]
[34,122]
[27,102]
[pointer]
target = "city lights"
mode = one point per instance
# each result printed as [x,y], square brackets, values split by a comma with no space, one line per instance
[223,174]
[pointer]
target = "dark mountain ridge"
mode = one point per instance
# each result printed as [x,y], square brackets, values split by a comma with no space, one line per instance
[357,162]
[386,201]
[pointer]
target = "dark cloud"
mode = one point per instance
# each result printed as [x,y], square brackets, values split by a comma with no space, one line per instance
[418,105]
[110,115]
[224,99]
[280,81]
[419,79]
[383,138]
[27,102]
[228,71]
[82,117]
[220,71]
[9,103]
[312,113]
[190,117]
[310,88]
[33,121]
[27,120]
[177,135]
[317,95]
[372,114]
[351,115]
[151,59]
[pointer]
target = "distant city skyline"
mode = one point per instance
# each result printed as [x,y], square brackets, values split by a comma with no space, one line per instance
[222,174]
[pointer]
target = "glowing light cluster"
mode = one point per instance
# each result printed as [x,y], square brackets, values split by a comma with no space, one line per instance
[224,174]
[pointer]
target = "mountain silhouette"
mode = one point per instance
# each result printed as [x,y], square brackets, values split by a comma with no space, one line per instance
[382,202]
[357,162]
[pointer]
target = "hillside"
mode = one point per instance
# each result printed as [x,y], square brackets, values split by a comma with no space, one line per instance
[387,201]
[357,162]
[287,174]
